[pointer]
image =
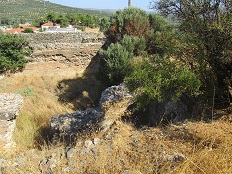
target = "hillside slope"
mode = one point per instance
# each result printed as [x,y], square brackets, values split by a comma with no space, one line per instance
[13,10]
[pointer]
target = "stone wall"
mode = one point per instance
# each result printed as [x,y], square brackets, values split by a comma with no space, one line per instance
[76,49]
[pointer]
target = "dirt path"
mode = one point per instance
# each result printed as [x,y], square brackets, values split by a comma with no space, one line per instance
[53,68]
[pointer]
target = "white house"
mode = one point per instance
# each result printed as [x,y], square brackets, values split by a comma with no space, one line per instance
[49,25]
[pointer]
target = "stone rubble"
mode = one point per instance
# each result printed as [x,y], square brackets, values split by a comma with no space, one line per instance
[10,106]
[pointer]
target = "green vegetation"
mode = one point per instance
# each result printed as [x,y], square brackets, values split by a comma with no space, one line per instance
[207,40]
[169,59]
[115,64]
[26,91]
[161,79]
[13,50]
[77,20]
[12,12]
[28,30]
[152,75]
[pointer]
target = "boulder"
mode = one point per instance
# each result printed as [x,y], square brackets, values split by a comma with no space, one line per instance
[65,127]
[113,95]
[113,103]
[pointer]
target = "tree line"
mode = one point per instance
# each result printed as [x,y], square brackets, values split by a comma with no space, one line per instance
[65,19]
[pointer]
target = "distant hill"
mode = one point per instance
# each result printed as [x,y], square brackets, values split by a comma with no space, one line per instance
[13,10]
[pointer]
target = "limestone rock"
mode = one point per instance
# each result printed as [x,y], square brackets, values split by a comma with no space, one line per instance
[113,95]
[10,105]
[67,126]
[113,103]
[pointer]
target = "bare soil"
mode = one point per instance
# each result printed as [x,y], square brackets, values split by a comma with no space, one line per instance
[53,68]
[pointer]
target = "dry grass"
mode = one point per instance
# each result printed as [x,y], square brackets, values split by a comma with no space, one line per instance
[190,148]
[202,148]
[43,98]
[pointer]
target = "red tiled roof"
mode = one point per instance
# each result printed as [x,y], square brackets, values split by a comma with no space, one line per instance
[49,24]
[14,30]
[19,30]
[33,28]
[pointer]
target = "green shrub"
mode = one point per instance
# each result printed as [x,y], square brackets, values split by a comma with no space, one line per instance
[114,64]
[161,79]
[134,44]
[13,50]
[28,30]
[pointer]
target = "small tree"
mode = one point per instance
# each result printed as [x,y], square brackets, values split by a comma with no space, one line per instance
[114,64]
[130,21]
[13,50]
[206,26]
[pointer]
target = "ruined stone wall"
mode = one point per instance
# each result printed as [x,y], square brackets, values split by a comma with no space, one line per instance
[75,49]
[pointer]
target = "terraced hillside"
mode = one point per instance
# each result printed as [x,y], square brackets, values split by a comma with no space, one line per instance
[13,10]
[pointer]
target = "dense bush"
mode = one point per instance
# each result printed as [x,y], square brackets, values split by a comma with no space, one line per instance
[171,59]
[130,21]
[115,61]
[13,50]
[161,79]
[206,34]
[114,64]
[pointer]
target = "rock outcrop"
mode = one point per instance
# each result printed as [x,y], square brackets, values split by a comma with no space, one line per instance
[66,127]
[113,103]
[10,105]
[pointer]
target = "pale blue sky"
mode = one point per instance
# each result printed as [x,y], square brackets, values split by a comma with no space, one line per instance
[104,4]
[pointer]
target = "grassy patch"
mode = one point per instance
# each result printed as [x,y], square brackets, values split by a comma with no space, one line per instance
[42,101]
[191,148]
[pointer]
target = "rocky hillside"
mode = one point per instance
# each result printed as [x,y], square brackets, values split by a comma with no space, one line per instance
[34,9]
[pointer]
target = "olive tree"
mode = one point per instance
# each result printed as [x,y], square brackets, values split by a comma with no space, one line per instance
[205,26]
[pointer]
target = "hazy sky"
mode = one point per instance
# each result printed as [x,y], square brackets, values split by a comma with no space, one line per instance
[104,4]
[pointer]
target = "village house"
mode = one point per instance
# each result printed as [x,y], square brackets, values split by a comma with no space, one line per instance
[21,29]
[48,25]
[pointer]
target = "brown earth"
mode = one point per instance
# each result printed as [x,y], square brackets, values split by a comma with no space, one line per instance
[92,29]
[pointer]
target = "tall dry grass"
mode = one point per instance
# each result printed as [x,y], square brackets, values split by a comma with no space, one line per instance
[42,101]
[204,148]
[191,148]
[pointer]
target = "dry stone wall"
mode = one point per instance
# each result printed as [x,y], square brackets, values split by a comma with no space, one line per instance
[75,49]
